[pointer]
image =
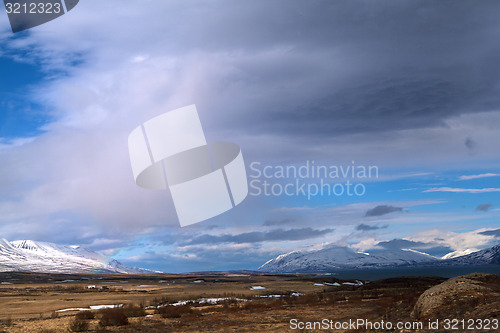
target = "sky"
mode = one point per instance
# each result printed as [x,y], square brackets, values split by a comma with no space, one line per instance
[409,88]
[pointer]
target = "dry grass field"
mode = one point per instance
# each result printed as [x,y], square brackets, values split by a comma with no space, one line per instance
[208,302]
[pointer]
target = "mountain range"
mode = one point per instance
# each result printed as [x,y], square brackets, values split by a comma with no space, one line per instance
[338,257]
[42,257]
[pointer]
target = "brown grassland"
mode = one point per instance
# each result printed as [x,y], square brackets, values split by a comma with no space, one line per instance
[32,302]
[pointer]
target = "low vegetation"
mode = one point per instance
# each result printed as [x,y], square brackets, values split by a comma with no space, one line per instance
[78,325]
[113,317]
[85,315]
[171,311]
[232,306]
[132,310]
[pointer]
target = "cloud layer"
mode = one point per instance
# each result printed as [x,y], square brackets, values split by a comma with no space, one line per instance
[382,210]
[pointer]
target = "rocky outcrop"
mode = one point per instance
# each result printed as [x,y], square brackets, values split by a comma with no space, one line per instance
[473,295]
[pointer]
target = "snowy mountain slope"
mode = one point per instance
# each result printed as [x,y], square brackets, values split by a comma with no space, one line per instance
[337,257]
[31,256]
[455,254]
[489,256]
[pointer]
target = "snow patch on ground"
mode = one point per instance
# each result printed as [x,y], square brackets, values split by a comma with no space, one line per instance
[276,296]
[211,301]
[92,307]
[257,288]
[357,283]
[335,284]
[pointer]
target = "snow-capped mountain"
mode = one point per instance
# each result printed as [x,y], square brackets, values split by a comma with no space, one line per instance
[337,257]
[489,256]
[458,253]
[41,257]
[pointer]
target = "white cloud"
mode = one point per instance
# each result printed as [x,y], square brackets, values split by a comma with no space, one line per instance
[366,244]
[482,175]
[462,190]
[455,240]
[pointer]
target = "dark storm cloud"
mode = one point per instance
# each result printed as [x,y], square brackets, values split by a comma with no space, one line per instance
[261,236]
[366,227]
[382,210]
[401,244]
[495,233]
[483,207]
[358,66]
[278,222]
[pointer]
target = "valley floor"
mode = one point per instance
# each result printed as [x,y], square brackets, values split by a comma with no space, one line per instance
[244,303]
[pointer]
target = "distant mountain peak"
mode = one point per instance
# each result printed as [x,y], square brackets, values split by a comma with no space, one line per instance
[43,257]
[490,256]
[25,244]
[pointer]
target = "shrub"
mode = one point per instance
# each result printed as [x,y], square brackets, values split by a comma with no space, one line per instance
[178,311]
[113,317]
[161,301]
[254,306]
[84,315]
[258,306]
[133,311]
[78,325]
